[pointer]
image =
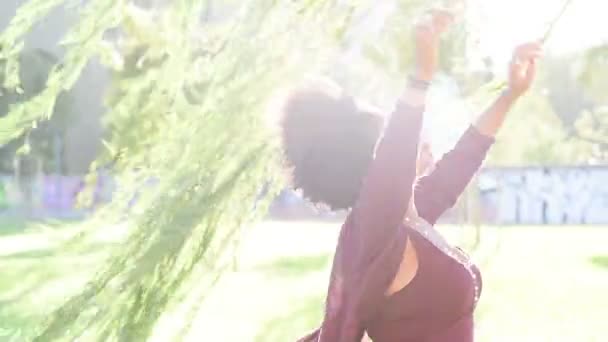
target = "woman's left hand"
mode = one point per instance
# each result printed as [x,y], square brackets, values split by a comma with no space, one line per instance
[522,69]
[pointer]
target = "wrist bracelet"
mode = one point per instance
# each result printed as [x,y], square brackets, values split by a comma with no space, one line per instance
[418,83]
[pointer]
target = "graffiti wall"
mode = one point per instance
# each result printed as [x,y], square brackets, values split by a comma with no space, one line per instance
[556,196]
[559,195]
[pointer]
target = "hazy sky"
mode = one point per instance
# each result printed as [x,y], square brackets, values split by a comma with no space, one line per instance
[509,22]
[499,25]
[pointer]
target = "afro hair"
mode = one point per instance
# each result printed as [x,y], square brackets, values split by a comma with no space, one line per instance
[329,143]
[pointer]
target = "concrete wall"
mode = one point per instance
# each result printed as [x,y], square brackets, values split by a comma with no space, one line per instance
[556,195]
[515,196]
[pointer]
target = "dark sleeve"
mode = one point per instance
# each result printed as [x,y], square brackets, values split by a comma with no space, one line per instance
[372,239]
[439,190]
[387,189]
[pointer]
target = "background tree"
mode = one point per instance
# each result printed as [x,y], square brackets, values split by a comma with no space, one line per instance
[43,142]
[593,124]
[564,113]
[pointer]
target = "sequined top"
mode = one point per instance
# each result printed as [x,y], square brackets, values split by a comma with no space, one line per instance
[437,305]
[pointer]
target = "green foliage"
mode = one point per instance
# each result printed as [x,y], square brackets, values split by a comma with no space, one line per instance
[575,85]
[535,135]
[377,51]
[594,72]
[592,128]
[187,108]
[11,40]
[593,124]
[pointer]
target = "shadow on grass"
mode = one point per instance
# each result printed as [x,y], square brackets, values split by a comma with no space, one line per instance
[296,266]
[11,226]
[27,273]
[19,284]
[39,253]
[295,324]
[48,253]
[18,296]
[600,261]
[15,225]
[12,327]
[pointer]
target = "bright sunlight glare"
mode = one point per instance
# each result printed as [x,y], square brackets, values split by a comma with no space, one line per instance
[498,26]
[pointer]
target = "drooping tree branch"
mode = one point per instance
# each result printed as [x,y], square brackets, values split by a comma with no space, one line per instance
[191,132]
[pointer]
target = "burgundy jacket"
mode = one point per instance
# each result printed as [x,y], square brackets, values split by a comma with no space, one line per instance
[373,238]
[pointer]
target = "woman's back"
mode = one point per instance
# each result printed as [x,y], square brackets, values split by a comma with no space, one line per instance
[439,299]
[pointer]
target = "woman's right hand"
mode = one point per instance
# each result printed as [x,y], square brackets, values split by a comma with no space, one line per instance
[427,36]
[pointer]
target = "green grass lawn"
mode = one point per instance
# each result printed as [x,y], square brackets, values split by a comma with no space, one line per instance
[540,283]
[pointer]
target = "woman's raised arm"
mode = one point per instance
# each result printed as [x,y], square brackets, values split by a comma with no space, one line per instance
[386,191]
[439,190]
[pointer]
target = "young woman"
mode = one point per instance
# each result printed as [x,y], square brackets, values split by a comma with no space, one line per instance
[393,276]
